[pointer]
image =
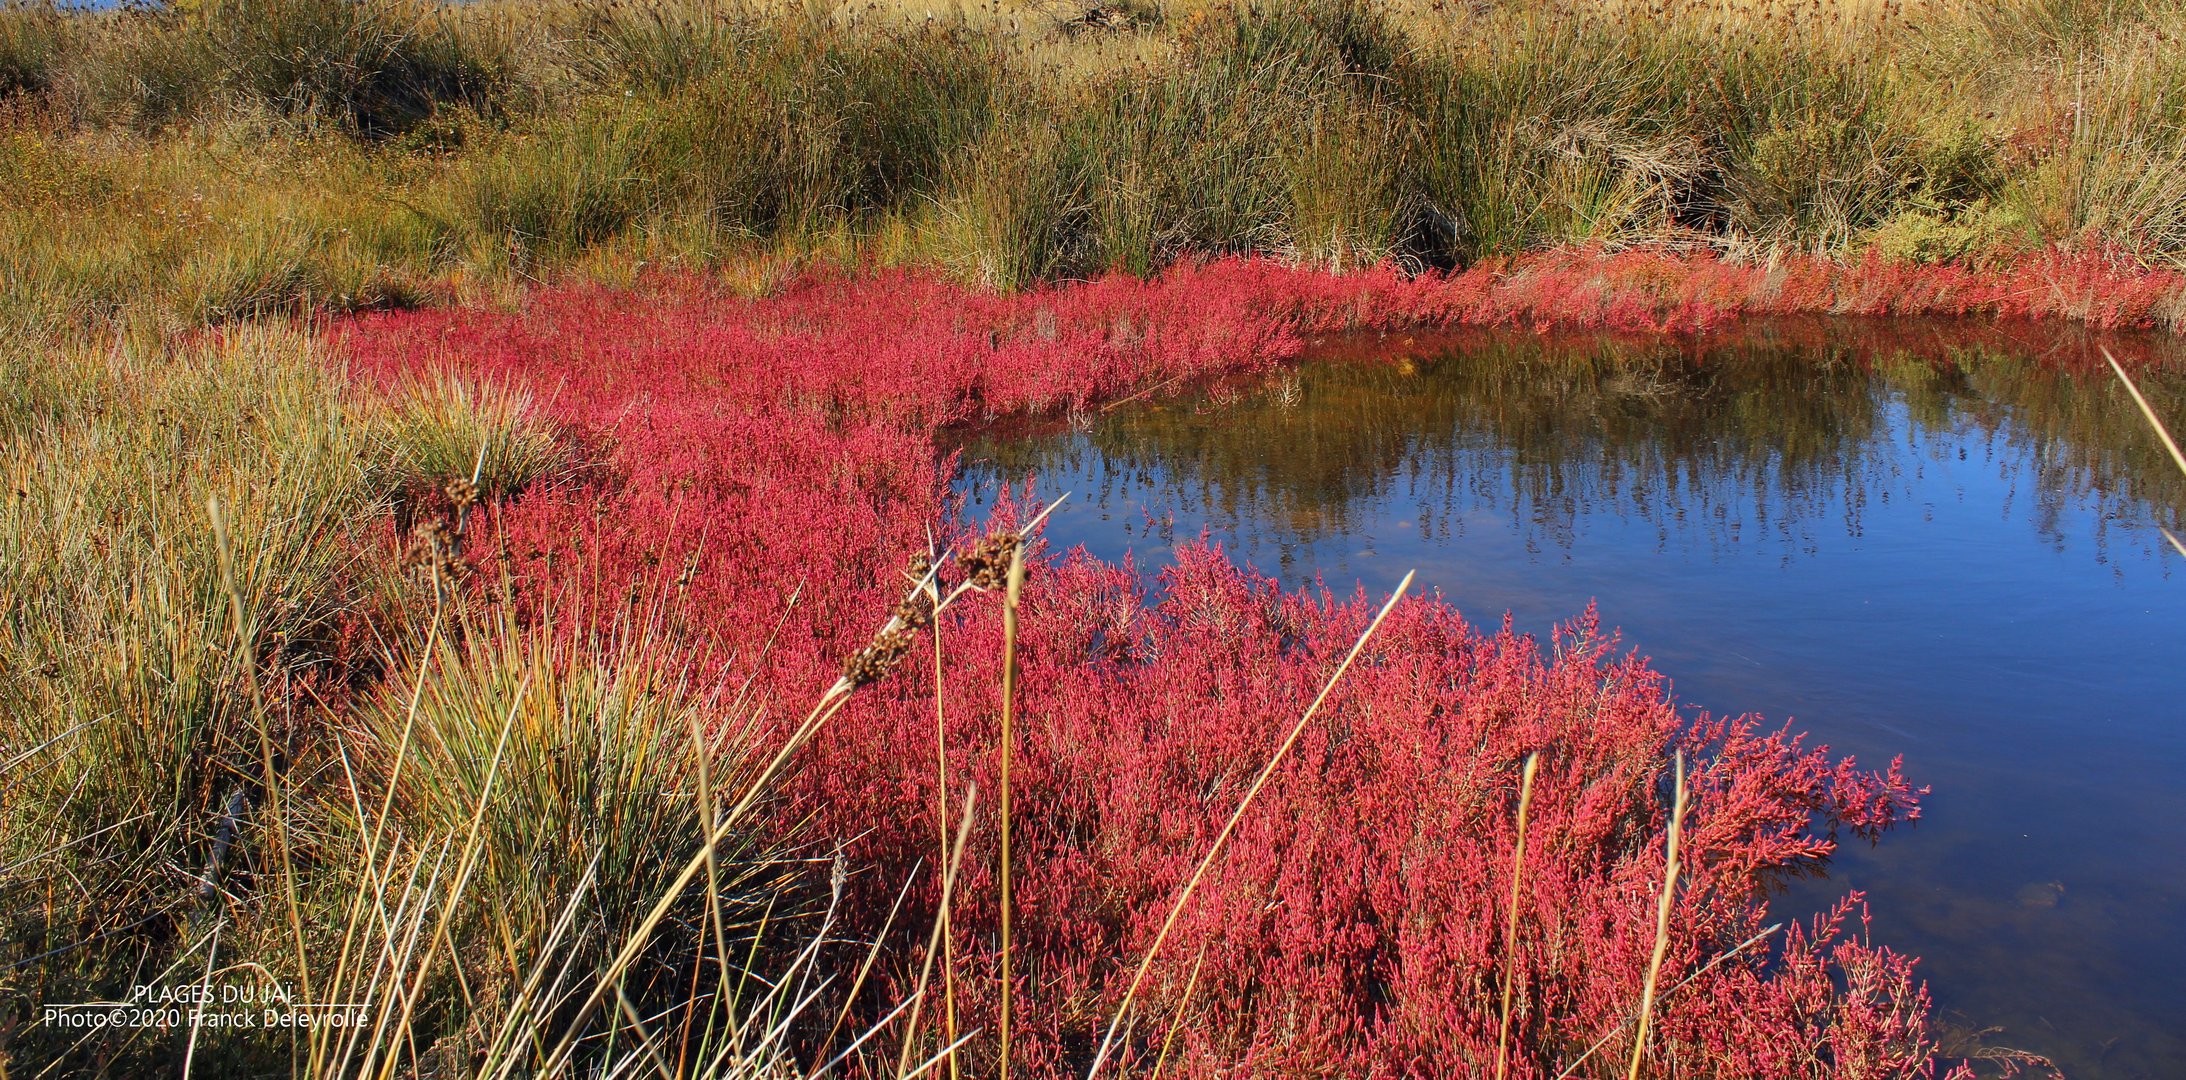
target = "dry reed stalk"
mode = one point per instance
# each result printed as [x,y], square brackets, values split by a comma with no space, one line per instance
[823,710]
[933,942]
[717,926]
[1510,929]
[197,1011]
[318,1061]
[946,1051]
[1015,589]
[2162,433]
[864,969]
[1191,884]
[373,865]
[373,842]
[1177,1023]
[1703,969]
[1662,922]
[646,1041]
[941,807]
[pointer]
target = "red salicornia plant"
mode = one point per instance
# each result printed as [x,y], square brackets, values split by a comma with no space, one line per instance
[756,475]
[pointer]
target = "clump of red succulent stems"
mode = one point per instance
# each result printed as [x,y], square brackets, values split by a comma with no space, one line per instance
[759,469]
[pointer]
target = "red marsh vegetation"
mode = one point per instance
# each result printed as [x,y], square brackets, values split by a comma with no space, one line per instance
[759,475]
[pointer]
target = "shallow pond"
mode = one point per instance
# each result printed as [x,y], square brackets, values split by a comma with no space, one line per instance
[1935,539]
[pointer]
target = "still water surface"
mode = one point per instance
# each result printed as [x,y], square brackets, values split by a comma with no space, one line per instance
[1930,539]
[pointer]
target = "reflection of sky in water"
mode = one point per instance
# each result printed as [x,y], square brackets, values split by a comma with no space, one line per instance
[1955,563]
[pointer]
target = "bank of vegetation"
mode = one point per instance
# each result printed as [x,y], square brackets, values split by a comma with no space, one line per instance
[236,156]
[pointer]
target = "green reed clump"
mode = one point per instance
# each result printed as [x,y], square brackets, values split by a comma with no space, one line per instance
[582,762]
[441,429]
[763,131]
[34,395]
[1813,152]
[151,680]
[1018,212]
[1584,129]
[660,48]
[206,761]
[241,219]
[569,774]
[374,67]
[802,128]
[1265,132]
[1565,134]
[2111,162]
[33,39]
[549,192]
[2053,28]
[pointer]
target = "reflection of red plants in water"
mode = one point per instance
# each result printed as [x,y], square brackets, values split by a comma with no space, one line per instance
[784,449]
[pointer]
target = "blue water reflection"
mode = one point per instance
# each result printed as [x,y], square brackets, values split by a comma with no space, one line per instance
[1931,540]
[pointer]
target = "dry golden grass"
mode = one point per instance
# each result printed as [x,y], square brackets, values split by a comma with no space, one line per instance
[520,140]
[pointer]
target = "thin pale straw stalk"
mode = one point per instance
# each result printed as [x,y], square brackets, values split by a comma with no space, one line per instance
[716,926]
[830,702]
[1267,772]
[941,808]
[518,1022]
[863,1036]
[865,968]
[946,1051]
[1510,928]
[1703,969]
[2148,411]
[197,1011]
[2162,433]
[1662,922]
[1015,589]
[933,941]
[375,876]
[1176,1023]
[11,763]
[751,966]
[646,1041]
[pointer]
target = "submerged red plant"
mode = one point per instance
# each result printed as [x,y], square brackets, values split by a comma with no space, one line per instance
[763,470]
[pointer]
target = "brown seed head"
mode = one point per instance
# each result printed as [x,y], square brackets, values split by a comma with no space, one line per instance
[428,543]
[869,664]
[433,555]
[986,566]
[461,493]
[916,612]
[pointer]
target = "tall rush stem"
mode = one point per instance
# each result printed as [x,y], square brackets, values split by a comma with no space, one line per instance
[1009,700]
[1662,922]
[1510,928]
[941,807]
